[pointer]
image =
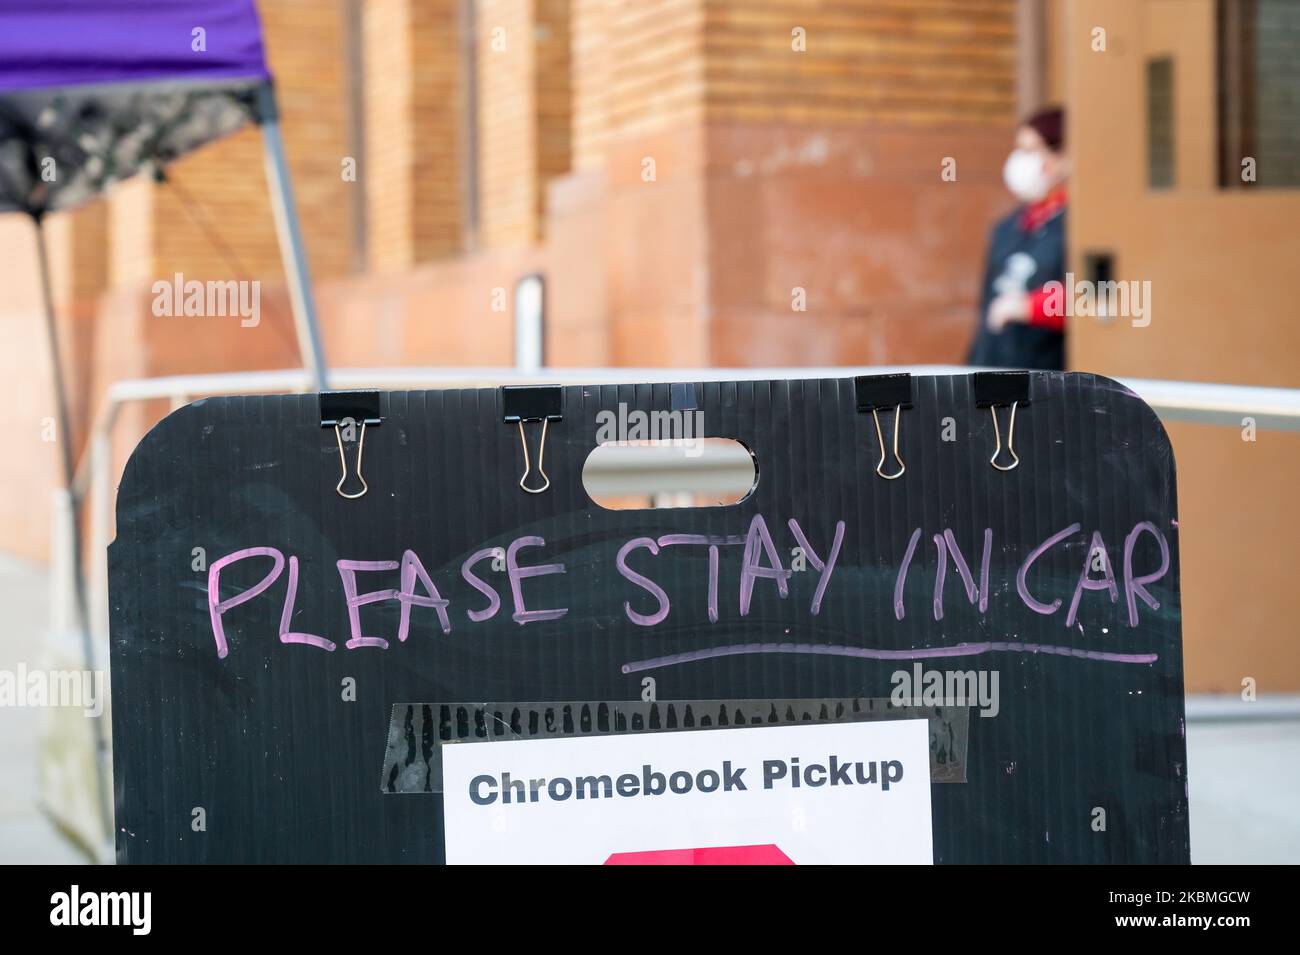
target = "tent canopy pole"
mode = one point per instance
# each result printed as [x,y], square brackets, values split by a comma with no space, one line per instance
[69,479]
[292,251]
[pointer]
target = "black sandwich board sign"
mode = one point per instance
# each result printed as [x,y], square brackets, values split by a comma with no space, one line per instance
[290,653]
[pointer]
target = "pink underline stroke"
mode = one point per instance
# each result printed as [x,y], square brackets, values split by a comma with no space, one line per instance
[866,653]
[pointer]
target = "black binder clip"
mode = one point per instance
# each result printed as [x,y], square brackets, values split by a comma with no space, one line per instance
[882,392]
[339,409]
[994,388]
[544,403]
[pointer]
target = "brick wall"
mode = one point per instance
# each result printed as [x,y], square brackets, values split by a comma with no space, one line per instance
[225,183]
[638,69]
[751,151]
[592,62]
[553,96]
[414,131]
[525,114]
[891,61]
[507,122]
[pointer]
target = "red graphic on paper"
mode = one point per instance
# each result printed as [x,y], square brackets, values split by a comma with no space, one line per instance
[714,855]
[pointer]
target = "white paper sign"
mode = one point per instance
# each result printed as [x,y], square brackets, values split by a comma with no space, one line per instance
[811,794]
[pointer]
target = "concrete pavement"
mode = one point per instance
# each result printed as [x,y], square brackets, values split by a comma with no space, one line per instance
[26,834]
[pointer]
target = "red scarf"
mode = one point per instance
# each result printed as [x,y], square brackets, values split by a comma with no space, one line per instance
[1037,214]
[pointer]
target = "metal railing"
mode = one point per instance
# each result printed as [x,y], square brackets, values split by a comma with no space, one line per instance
[1275,408]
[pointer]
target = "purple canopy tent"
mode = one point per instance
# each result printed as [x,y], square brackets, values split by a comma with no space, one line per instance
[95,91]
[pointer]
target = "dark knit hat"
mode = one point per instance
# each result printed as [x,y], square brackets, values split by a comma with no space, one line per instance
[1050,124]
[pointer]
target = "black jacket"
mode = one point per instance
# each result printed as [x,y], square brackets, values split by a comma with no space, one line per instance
[1023,262]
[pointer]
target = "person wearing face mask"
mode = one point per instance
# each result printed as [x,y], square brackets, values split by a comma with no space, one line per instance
[1026,251]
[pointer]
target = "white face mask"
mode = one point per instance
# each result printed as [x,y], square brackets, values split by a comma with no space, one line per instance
[1024,176]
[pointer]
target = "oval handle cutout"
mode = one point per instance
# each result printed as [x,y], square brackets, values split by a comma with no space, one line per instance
[670,472]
